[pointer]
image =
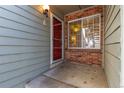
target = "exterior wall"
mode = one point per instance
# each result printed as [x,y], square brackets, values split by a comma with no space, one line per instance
[112,45]
[88,56]
[24,44]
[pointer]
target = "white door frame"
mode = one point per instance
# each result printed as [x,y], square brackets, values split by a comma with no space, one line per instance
[51,40]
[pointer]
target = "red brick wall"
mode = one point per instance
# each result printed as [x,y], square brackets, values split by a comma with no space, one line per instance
[88,56]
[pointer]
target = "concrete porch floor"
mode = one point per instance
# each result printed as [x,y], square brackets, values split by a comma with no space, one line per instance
[71,75]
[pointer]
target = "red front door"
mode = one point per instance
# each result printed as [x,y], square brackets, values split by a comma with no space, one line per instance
[57,39]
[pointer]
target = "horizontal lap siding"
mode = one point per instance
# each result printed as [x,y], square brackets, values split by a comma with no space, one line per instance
[112,45]
[24,45]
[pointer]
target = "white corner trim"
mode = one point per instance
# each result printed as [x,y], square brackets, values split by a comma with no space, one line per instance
[51,41]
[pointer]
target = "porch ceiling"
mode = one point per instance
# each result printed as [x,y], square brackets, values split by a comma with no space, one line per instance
[65,9]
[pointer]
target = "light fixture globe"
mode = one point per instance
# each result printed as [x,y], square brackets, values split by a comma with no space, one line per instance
[75,27]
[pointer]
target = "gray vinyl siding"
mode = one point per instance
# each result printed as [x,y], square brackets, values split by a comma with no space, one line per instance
[112,44]
[24,44]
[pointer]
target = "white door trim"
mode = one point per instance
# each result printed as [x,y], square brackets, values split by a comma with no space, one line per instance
[51,39]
